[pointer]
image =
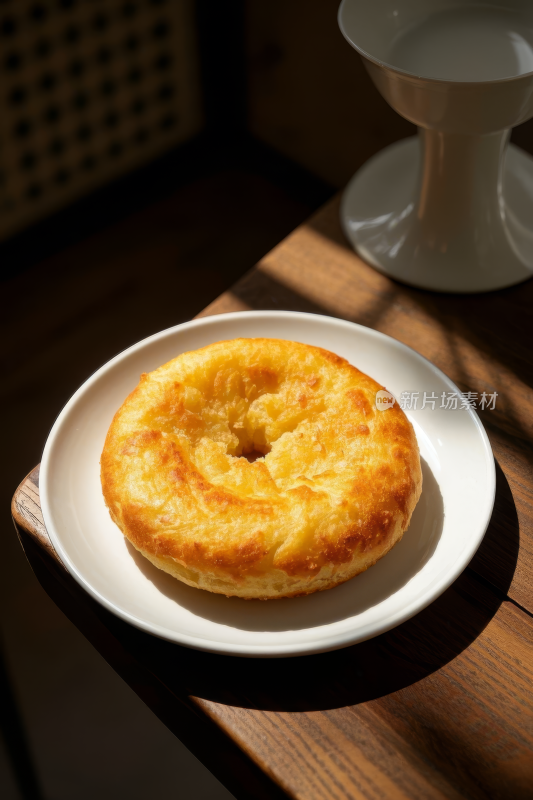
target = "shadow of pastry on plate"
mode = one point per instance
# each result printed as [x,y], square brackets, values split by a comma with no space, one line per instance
[260,468]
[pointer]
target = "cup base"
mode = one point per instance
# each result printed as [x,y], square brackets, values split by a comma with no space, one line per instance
[380,217]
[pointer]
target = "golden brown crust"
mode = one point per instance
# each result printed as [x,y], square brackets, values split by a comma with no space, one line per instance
[333,493]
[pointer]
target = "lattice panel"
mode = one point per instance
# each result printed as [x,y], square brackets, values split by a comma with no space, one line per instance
[89,89]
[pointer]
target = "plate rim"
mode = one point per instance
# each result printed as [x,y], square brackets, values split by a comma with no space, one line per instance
[325,643]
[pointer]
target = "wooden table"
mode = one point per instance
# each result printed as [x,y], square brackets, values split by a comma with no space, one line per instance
[439,707]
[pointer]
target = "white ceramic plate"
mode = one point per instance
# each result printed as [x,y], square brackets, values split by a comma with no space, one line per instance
[446,529]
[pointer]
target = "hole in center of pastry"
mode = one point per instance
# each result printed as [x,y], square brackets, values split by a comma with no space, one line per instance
[253,455]
[245,408]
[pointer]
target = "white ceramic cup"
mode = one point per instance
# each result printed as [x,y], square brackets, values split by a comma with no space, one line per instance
[452,209]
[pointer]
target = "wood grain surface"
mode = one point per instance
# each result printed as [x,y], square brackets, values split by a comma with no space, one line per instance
[439,707]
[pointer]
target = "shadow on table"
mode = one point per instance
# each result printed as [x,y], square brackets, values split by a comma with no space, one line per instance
[168,677]
[353,675]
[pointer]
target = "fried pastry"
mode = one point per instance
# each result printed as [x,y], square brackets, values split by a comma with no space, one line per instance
[331,490]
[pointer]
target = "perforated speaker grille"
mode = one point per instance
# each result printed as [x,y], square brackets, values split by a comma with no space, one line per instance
[89,89]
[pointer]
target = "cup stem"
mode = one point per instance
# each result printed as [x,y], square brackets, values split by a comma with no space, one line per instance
[460,192]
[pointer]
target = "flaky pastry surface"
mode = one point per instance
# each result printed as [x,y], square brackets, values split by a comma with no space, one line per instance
[333,492]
